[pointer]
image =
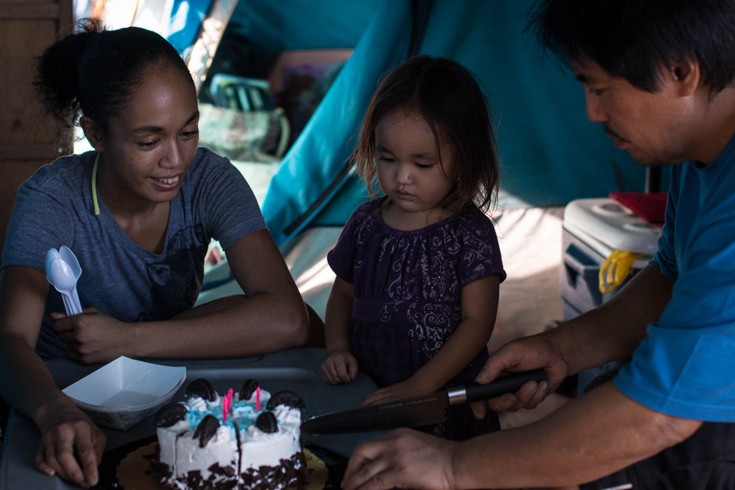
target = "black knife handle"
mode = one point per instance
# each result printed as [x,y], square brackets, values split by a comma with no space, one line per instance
[505,384]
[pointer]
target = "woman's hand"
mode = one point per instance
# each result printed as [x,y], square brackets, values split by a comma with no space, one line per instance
[402,459]
[339,367]
[92,337]
[71,444]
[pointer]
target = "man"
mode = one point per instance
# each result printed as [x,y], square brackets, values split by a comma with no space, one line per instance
[658,74]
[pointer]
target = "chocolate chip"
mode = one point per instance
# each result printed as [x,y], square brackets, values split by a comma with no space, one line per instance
[206,430]
[267,422]
[288,398]
[169,414]
[248,388]
[203,388]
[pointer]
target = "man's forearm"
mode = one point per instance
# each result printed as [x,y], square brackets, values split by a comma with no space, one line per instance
[586,439]
[613,330]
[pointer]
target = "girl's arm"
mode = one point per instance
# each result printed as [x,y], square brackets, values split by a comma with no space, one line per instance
[479,309]
[340,365]
[271,316]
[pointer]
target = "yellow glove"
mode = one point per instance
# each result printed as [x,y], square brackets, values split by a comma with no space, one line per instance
[616,268]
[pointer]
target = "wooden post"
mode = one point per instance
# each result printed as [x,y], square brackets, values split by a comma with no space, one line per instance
[29,138]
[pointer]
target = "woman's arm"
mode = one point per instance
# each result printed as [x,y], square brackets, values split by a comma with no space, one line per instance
[479,309]
[271,316]
[28,387]
[340,365]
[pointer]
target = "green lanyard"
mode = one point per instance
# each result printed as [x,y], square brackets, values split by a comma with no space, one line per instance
[95,201]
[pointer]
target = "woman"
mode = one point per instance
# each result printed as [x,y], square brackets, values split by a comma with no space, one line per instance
[139,212]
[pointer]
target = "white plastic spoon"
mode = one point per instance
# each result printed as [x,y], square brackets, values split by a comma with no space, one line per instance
[61,277]
[71,260]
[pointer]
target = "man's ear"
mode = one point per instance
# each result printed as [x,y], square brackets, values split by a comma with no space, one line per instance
[93,132]
[686,74]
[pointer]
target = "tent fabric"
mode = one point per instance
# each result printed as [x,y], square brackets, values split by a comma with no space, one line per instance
[186,21]
[272,26]
[550,153]
[315,168]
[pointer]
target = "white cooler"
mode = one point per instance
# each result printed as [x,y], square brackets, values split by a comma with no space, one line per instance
[592,230]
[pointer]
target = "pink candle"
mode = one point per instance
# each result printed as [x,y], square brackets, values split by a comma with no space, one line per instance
[226,405]
[257,399]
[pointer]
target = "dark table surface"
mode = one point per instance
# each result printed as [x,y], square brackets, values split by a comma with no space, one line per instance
[294,369]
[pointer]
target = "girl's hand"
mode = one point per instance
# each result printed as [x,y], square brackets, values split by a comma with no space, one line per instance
[92,337]
[398,391]
[71,445]
[339,367]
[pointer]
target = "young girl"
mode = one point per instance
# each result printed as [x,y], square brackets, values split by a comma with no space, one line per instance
[416,293]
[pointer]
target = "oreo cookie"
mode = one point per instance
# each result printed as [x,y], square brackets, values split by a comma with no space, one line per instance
[206,430]
[267,422]
[203,388]
[169,414]
[285,397]
[248,388]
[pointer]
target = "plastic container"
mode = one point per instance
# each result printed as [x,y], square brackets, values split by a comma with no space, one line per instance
[592,230]
[125,391]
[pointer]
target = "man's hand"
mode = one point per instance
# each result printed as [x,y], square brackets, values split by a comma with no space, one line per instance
[526,354]
[403,459]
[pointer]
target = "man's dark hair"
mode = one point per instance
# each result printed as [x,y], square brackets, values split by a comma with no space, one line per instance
[636,39]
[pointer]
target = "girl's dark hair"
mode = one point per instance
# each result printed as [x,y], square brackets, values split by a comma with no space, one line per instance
[446,95]
[636,39]
[93,72]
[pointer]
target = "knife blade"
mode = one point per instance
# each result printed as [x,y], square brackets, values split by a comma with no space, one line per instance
[417,411]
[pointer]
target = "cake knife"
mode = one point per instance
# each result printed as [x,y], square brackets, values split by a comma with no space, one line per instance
[417,411]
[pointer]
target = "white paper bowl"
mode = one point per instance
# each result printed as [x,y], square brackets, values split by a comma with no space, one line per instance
[125,391]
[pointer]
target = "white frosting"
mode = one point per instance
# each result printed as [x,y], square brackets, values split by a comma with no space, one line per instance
[220,449]
[181,452]
[259,448]
[167,441]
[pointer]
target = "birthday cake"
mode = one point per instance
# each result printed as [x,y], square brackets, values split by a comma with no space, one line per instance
[249,439]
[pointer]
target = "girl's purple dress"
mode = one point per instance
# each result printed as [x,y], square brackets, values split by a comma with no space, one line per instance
[407,293]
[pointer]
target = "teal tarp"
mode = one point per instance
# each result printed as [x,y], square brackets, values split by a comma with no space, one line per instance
[314,169]
[550,153]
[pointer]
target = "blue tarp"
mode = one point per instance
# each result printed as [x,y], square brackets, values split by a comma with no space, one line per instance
[186,21]
[550,153]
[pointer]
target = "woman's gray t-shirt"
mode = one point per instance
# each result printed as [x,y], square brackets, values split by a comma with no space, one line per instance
[120,278]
